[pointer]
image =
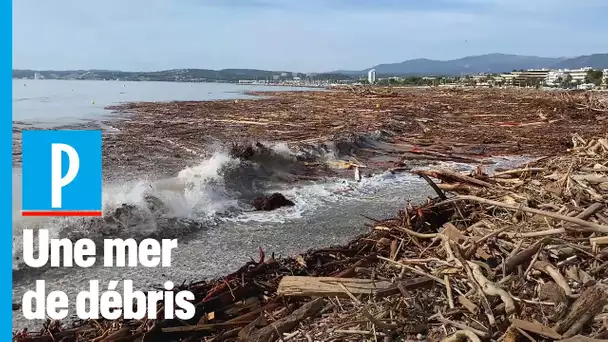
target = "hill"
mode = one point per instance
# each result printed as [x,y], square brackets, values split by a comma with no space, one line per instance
[490,63]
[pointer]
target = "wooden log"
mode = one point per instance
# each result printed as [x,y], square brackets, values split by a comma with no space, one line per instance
[400,286]
[553,272]
[466,302]
[536,328]
[518,172]
[328,286]
[246,331]
[276,329]
[589,226]
[456,187]
[252,315]
[590,303]
[453,177]
[596,242]
[580,338]
[512,262]
[590,211]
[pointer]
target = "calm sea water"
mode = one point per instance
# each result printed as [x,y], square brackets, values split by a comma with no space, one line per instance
[60,102]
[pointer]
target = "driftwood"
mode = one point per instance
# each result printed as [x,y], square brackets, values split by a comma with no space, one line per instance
[453,177]
[274,330]
[590,303]
[521,257]
[579,338]
[462,335]
[586,224]
[536,328]
[553,272]
[447,265]
[328,286]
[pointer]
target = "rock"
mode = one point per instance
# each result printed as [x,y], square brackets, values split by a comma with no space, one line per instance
[271,202]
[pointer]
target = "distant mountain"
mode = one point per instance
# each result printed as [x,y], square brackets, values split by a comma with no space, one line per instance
[491,63]
[596,61]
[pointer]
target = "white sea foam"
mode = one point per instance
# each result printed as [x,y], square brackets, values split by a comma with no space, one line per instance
[200,192]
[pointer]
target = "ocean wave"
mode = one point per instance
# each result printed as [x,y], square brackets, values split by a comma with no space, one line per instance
[218,189]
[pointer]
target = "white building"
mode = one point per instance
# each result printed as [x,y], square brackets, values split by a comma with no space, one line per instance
[579,74]
[37,76]
[555,77]
[371,76]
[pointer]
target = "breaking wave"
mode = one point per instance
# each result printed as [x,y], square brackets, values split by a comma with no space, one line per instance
[219,188]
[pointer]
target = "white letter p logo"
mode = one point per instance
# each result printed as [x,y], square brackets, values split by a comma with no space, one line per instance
[57,181]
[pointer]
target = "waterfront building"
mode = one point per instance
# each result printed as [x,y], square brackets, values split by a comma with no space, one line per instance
[371,76]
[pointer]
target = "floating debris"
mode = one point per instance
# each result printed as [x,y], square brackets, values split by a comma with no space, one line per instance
[411,125]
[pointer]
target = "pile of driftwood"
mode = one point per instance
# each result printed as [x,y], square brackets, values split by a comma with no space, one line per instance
[434,123]
[514,255]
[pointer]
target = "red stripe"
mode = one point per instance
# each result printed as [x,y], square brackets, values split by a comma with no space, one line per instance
[61,213]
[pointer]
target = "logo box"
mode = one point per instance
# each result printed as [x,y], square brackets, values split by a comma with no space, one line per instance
[61,173]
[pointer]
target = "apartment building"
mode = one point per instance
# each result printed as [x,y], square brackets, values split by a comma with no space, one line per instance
[526,78]
[555,77]
[578,75]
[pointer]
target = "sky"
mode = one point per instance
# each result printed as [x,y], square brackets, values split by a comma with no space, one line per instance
[295,35]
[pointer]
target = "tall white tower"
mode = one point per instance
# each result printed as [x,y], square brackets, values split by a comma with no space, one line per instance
[371,76]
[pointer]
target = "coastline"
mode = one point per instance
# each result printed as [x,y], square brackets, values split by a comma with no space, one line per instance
[375,134]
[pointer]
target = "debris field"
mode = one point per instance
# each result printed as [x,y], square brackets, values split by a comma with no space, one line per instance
[430,124]
[507,255]
[514,255]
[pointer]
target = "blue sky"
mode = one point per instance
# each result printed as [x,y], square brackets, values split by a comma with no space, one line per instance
[295,35]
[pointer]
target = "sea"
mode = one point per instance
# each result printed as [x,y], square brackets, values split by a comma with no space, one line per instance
[216,230]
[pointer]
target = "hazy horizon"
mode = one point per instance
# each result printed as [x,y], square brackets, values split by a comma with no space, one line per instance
[277,70]
[289,35]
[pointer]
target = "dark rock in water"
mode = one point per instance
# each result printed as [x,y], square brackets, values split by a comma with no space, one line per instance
[271,202]
[250,152]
